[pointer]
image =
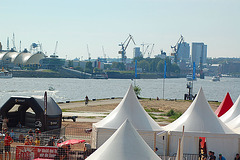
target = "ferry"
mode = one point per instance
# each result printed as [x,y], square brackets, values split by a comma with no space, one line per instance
[189,77]
[5,74]
[215,78]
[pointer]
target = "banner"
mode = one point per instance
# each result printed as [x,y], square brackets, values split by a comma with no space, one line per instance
[31,152]
[165,69]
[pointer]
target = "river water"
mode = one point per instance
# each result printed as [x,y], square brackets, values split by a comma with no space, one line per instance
[70,89]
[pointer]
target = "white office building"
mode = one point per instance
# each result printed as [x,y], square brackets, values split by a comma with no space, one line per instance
[199,53]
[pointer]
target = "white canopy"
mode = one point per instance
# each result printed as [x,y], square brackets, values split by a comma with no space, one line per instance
[235,122]
[124,144]
[129,108]
[199,118]
[233,112]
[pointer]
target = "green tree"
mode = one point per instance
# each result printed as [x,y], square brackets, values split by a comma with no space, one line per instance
[160,66]
[144,65]
[137,90]
[88,67]
[119,65]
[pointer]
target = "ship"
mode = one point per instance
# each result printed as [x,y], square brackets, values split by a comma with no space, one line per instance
[5,74]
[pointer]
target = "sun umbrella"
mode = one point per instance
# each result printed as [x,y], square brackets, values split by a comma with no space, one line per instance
[71,141]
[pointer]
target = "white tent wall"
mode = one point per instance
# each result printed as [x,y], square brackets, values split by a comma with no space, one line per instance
[227,146]
[191,143]
[100,135]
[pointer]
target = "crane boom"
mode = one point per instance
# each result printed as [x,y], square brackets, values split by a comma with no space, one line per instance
[124,46]
[176,48]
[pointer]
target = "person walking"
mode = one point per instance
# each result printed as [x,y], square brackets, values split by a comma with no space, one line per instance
[237,157]
[7,145]
[86,100]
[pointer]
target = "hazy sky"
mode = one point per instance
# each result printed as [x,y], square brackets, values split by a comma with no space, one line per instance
[76,23]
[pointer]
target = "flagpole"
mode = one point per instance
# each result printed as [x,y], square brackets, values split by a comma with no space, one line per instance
[45,110]
[164,76]
[135,72]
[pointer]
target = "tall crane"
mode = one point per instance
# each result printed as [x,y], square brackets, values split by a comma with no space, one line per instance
[55,51]
[124,46]
[149,53]
[104,54]
[89,55]
[176,48]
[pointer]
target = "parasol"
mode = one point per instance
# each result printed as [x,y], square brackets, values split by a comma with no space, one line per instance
[71,141]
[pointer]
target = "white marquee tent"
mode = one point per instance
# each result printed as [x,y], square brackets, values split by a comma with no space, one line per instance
[129,108]
[200,121]
[235,122]
[233,112]
[124,144]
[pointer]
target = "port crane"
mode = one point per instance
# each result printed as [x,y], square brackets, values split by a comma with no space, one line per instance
[89,55]
[146,49]
[124,46]
[176,48]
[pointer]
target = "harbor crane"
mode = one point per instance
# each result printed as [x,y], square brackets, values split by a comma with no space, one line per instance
[124,46]
[55,51]
[144,50]
[89,55]
[176,48]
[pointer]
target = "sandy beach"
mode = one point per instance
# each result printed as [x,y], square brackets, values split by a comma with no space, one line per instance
[98,109]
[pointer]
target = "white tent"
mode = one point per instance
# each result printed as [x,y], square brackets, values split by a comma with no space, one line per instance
[233,112]
[129,108]
[200,121]
[124,144]
[235,122]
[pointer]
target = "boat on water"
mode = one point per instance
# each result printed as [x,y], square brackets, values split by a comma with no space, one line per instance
[5,74]
[215,78]
[189,77]
[100,76]
[51,88]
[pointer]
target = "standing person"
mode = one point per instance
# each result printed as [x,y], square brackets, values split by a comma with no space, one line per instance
[221,157]
[87,150]
[51,141]
[37,141]
[7,145]
[1,146]
[12,134]
[237,157]
[86,100]
[4,123]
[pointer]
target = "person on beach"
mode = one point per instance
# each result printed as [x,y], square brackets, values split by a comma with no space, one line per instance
[86,100]
[7,145]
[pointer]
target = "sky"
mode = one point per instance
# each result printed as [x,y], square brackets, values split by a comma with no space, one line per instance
[98,24]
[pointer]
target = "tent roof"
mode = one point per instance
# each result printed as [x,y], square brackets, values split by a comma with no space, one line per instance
[199,118]
[233,112]
[235,122]
[52,107]
[224,106]
[124,144]
[129,108]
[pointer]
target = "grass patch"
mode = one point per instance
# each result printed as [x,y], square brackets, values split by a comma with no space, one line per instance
[152,115]
[152,110]
[91,117]
[172,115]
[66,110]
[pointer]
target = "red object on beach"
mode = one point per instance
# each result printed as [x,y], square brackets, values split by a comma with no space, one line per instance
[226,104]
[71,141]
